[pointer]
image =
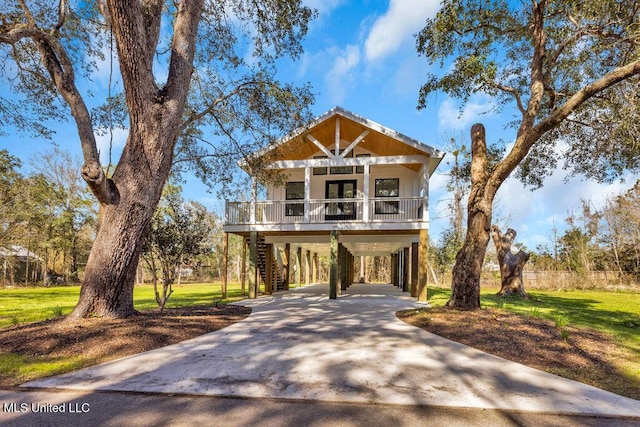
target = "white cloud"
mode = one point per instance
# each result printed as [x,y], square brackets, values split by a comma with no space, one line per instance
[324,7]
[403,19]
[451,118]
[341,73]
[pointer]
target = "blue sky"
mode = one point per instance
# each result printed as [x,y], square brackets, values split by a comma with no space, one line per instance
[361,55]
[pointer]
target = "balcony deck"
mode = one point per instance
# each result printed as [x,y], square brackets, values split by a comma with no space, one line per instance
[327,214]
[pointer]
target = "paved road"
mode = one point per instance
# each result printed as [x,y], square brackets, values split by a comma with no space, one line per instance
[299,345]
[131,409]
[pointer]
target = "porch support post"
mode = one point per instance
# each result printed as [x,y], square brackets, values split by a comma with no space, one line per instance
[405,270]
[299,266]
[268,269]
[422,265]
[315,267]
[253,264]
[425,193]
[286,262]
[366,215]
[362,279]
[225,262]
[243,268]
[414,269]
[307,192]
[254,197]
[307,270]
[333,265]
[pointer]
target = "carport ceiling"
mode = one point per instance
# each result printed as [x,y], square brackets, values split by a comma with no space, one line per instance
[376,245]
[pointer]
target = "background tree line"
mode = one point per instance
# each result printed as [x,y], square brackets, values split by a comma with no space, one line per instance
[51,215]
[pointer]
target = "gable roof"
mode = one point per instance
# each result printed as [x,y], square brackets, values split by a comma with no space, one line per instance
[380,139]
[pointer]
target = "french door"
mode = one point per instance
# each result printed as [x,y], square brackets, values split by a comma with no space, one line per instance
[340,210]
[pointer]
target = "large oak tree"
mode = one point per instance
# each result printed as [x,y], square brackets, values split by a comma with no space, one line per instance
[198,89]
[568,70]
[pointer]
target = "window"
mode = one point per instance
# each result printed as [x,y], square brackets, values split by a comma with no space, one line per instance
[387,187]
[360,169]
[295,191]
[342,170]
[320,171]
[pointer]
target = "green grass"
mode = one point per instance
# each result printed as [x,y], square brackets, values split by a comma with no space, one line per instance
[616,313]
[24,368]
[25,305]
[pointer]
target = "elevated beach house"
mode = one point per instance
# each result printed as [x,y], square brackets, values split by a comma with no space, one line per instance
[348,187]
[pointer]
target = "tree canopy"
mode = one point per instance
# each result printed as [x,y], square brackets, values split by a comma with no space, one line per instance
[566,70]
[542,61]
[196,87]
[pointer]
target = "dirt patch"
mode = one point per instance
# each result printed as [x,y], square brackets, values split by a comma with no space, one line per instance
[95,340]
[581,354]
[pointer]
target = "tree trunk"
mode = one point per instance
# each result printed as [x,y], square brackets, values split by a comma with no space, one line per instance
[465,281]
[107,288]
[511,264]
[465,286]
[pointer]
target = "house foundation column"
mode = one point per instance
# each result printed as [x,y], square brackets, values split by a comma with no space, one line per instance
[307,270]
[333,265]
[225,262]
[243,269]
[315,267]
[253,264]
[405,270]
[344,268]
[422,265]
[299,266]
[414,269]
[268,269]
[286,262]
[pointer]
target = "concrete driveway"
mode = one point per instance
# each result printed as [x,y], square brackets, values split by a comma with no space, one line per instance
[301,345]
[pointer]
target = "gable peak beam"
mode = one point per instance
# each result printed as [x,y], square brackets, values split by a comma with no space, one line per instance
[337,140]
[357,141]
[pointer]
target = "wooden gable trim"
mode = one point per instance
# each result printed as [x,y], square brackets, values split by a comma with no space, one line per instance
[352,161]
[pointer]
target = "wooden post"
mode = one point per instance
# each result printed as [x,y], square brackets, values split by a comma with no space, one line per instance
[286,262]
[253,264]
[405,270]
[414,269]
[307,270]
[225,261]
[343,265]
[333,266]
[422,265]
[315,267]
[243,271]
[268,269]
[299,266]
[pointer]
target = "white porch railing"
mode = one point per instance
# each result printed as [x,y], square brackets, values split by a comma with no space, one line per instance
[387,209]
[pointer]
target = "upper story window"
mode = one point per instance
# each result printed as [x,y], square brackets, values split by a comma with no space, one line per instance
[387,187]
[294,191]
[320,171]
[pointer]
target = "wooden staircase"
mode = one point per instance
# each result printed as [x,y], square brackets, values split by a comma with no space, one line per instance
[276,278]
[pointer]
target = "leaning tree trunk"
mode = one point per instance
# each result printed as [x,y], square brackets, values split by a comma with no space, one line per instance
[511,264]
